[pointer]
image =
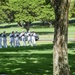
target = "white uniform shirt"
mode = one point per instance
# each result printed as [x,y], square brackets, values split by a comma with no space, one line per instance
[0,37]
[22,35]
[4,37]
[12,36]
[17,36]
[0,40]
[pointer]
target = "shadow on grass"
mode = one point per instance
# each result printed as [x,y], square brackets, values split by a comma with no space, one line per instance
[26,64]
[28,48]
[31,64]
[8,26]
[42,33]
[71,45]
[72,64]
[35,64]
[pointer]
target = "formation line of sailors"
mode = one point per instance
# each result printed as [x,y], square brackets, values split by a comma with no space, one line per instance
[15,38]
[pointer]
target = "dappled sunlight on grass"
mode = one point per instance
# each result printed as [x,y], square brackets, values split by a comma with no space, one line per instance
[33,65]
[32,60]
[26,60]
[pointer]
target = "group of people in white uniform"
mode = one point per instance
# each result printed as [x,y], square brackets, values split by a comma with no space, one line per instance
[15,38]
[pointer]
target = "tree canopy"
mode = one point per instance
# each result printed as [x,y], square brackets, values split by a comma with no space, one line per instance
[17,10]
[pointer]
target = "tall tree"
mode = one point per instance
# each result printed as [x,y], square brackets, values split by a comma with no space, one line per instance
[60,54]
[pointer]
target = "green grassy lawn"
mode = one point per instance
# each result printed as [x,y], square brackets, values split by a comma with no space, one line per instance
[43,32]
[32,60]
[26,60]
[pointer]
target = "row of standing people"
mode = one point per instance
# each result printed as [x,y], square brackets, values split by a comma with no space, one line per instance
[16,37]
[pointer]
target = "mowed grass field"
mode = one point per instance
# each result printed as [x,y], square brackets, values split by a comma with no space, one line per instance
[43,31]
[36,60]
[32,60]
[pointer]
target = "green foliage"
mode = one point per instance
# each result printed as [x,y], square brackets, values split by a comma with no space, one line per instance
[28,10]
[47,1]
[3,16]
[17,10]
[3,2]
[72,9]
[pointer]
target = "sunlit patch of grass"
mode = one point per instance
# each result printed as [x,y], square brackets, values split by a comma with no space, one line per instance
[26,60]
[31,60]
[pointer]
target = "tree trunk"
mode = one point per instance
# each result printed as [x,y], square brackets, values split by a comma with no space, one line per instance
[27,26]
[60,54]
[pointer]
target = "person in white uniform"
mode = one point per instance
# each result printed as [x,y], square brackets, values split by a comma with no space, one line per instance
[17,42]
[30,40]
[33,38]
[22,35]
[28,34]
[0,40]
[12,39]
[4,37]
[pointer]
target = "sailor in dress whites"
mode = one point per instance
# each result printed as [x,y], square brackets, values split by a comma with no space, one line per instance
[28,34]
[30,40]
[17,42]
[33,38]
[12,39]
[0,40]
[4,38]
[22,35]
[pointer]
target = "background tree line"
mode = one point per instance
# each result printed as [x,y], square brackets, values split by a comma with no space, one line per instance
[18,10]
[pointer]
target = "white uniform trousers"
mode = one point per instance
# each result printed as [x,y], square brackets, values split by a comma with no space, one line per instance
[17,42]
[33,41]
[23,41]
[5,42]
[0,42]
[12,42]
[30,41]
